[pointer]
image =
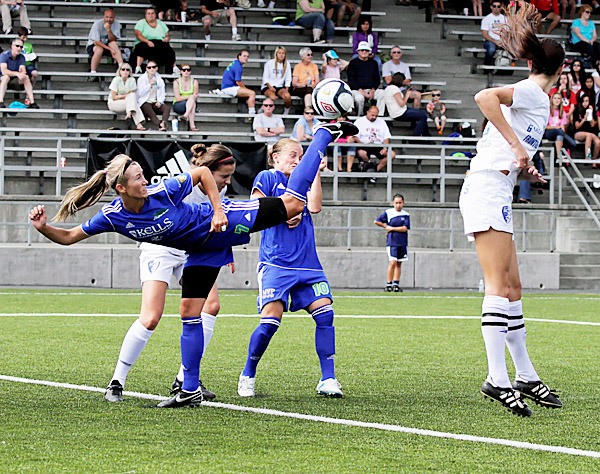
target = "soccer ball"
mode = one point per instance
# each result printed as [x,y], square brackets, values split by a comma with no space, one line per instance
[332,98]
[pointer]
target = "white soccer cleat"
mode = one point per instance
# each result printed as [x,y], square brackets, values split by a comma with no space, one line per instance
[330,388]
[246,386]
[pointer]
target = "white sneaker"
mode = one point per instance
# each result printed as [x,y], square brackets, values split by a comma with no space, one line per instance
[246,386]
[236,37]
[138,70]
[330,388]
[261,4]
[176,71]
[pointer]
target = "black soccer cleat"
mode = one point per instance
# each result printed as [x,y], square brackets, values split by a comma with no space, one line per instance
[177,386]
[338,129]
[114,392]
[507,397]
[539,392]
[206,393]
[397,289]
[388,288]
[183,399]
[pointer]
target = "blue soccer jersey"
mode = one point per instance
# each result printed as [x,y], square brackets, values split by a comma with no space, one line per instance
[166,220]
[395,218]
[280,245]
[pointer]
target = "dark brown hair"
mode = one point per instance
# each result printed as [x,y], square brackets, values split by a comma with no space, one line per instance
[212,157]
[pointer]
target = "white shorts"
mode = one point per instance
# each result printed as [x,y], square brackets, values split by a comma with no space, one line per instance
[159,263]
[231,91]
[486,202]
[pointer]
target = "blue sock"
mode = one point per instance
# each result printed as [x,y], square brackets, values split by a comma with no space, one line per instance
[259,341]
[192,346]
[304,174]
[325,340]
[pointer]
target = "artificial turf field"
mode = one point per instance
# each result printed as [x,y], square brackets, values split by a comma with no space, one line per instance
[411,389]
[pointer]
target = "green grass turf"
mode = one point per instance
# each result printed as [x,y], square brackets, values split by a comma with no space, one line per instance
[419,373]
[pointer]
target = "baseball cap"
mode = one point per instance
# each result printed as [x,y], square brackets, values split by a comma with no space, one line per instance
[331,54]
[363,45]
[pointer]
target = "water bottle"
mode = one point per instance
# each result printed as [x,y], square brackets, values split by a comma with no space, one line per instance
[481,286]
[175,124]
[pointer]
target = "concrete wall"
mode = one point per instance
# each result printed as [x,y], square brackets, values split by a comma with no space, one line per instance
[365,268]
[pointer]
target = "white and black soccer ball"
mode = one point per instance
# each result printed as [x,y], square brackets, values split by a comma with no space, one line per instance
[332,98]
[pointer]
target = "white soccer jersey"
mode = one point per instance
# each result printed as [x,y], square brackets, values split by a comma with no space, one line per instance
[527,116]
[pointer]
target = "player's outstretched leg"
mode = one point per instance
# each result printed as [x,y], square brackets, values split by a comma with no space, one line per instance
[328,386]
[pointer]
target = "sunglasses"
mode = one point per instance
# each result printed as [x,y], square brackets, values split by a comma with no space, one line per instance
[125,69]
[186,69]
[151,67]
[396,52]
[268,105]
[18,45]
[588,12]
[436,95]
[310,112]
[496,6]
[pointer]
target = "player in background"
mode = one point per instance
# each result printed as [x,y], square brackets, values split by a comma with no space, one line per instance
[289,269]
[517,116]
[158,264]
[158,214]
[396,222]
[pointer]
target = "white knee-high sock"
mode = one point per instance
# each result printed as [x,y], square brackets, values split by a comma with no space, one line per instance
[494,324]
[208,326]
[516,342]
[133,344]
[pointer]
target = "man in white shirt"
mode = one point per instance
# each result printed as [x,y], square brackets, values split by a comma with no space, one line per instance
[103,40]
[267,126]
[489,31]
[372,129]
[395,65]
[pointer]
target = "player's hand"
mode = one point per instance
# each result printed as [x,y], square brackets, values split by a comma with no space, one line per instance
[231,267]
[521,156]
[219,222]
[532,174]
[323,164]
[38,216]
[294,221]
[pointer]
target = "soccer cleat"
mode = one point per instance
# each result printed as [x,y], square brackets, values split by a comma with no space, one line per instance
[397,289]
[507,397]
[339,129]
[183,399]
[539,392]
[330,388]
[388,287]
[246,386]
[177,386]
[114,392]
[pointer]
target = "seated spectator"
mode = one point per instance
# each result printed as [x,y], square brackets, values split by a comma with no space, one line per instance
[585,124]
[350,151]
[185,90]
[372,129]
[267,126]
[10,8]
[364,32]
[162,7]
[569,98]
[103,40]
[588,88]
[437,110]
[30,56]
[261,4]
[577,76]
[558,123]
[343,8]
[12,66]
[395,101]
[122,96]
[548,10]
[395,65]
[232,84]
[583,35]
[152,42]
[477,7]
[219,11]
[332,65]
[304,127]
[490,26]
[151,96]
[277,78]
[364,79]
[572,4]
[310,15]
[305,77]
[438,5]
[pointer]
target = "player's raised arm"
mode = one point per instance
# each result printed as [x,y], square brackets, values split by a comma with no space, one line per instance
[39,220]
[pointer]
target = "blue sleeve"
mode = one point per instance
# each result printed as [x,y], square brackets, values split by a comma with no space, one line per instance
[263,182]
[382,218]
[178,187]
[407,222]
[238,72]
[97,224]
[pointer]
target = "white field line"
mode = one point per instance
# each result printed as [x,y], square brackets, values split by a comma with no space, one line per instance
[292,316]
[335,421]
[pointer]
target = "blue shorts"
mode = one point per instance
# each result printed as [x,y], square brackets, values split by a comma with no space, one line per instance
[397,254]
[303,287]
[241,216]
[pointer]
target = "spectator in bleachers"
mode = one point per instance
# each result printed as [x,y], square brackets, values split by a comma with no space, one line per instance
[151,95]
[364,32]
[558,123]
[219,11]
[343,8]
[588,88]
[232,84]
[186,90]
[332,66]
[163,6]
[122,96]
[12,66]
[585,123]
[395,65]
[305,77]
[277,78]
[548,10]
[577,76]
[103,40]
[304,127]
[30,56]
[490,26]
[583,35]
[10,8]
[152,42]
[267,126]
[310,15]
[261,4]
[438,6]
[350,151]
[364,79]
[572,4]
[437,110]
[396,101]
[569,98]
[372,129]
[477,7]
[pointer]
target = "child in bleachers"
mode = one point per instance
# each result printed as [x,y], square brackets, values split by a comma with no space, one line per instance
[30,56]
[332,65]
[437,110]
